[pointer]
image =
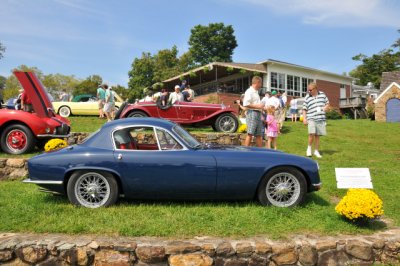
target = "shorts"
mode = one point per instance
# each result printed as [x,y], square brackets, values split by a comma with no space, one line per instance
[108,107]
[255,125]
[293,111]
[101,104]
[317,127]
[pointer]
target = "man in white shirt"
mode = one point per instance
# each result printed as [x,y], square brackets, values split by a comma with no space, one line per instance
[254,107]
[176,96]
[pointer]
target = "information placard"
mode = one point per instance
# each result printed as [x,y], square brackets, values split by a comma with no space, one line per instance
[353,178]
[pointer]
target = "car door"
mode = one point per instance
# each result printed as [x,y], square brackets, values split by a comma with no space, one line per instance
[158,165]
[170,113]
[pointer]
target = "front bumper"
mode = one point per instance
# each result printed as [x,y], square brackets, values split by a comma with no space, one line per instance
[59,132]
[317,186]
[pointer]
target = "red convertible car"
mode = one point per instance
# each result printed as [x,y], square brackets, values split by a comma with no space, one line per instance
[20,130]
[222,118]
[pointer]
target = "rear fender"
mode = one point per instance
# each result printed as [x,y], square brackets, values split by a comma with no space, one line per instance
[70,171]
[131,108]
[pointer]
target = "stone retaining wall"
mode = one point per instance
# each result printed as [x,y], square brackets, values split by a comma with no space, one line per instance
[12,169]
[216,138]
[22,249]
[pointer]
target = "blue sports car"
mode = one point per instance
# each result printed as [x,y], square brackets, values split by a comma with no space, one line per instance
[148,158]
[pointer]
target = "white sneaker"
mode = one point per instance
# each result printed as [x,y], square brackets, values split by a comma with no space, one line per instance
[309,152]
[316,153]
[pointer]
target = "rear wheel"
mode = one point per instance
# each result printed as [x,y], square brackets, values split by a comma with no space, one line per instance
[227,123]
[17,139]
[282,187]
[64,111]
[92,189]
[137,114]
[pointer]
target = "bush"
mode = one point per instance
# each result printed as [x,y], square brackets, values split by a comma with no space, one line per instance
[360,204]
[242,128]
[333,115]
[55,144]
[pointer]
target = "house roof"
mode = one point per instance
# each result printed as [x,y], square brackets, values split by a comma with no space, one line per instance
[272,61]
[386,90]
[246,66]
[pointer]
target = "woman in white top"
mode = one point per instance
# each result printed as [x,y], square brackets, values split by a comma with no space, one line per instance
[293,109]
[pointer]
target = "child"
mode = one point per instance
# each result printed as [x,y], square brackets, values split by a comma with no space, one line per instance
[273,129]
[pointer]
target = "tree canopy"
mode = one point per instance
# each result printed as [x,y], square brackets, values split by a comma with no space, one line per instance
[212,43]
[371,67]
[2,50]
[89,85]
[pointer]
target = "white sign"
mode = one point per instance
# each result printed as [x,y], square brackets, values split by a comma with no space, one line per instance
[353,178]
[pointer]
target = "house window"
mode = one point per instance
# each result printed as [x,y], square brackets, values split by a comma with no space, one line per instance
[343,91]
[290,86]
[277,81]
[297,86]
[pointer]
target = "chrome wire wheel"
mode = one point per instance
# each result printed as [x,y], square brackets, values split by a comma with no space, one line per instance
[64,111]
[283,189]
[226,123]
[92,190]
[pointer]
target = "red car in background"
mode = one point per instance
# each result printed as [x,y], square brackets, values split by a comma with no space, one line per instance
[222,118]
[20,131]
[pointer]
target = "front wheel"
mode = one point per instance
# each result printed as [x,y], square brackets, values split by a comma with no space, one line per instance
[226,123]
[17,139]
[92,189]
[64,111]
[282,187]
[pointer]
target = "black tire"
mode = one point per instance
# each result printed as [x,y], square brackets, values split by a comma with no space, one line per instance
[83,182]
[120,109]
[227,123]
[213,127]
[292,185]
[64,111]
[137,114]
[17,139]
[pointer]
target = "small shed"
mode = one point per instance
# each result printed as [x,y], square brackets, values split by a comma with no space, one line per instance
[387,105]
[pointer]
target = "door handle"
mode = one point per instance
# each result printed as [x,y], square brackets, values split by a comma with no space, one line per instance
[119,156]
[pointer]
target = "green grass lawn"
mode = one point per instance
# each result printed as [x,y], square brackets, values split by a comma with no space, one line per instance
[361,143]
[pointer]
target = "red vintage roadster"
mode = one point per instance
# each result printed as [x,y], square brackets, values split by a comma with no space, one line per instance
[222,118]
[20,131]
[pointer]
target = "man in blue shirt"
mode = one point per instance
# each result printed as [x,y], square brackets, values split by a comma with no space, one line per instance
[101,96]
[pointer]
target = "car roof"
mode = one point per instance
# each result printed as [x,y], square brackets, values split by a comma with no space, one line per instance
[146,121]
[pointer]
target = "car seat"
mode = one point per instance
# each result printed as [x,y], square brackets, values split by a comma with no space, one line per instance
[125,141]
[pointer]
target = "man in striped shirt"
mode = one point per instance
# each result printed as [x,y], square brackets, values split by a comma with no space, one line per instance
[315,105]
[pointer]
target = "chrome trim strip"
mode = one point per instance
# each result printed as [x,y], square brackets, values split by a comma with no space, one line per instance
[44,182]
[317,185]
[53,136]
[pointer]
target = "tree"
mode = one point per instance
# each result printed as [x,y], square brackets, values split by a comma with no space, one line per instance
[2,50]
[141,75]
[166,64]
[212,43]
[371,68]
[2,82]
[59,82]
[88,86]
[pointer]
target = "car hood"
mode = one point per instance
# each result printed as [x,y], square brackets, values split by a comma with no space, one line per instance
[36,92]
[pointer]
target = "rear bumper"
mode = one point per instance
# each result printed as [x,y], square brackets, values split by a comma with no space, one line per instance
[317,186]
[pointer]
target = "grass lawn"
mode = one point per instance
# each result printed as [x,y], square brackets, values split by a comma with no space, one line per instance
[360,143]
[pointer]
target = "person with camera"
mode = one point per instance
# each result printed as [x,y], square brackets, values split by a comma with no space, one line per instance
[252,102]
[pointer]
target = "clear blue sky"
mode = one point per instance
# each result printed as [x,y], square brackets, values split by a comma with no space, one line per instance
[82,37]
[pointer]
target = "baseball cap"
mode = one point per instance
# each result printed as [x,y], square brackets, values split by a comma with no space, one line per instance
[273,92]
[177,87]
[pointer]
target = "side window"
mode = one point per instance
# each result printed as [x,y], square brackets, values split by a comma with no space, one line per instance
[135,138]
[166,141]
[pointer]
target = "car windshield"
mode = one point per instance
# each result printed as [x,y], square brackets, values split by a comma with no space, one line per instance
[185,136]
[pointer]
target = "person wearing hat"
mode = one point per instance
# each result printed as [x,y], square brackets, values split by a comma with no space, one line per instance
[176,96]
